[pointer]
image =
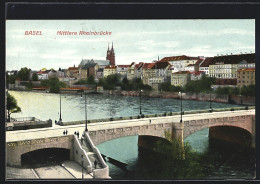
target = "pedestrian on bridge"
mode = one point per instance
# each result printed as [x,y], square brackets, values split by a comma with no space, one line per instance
[95,163]
[77,134]
[64,132]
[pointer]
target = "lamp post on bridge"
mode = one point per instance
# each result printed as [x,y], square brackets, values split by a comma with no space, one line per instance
[60,120]
[86,126]
[180,93]
[140,103]
[210,103]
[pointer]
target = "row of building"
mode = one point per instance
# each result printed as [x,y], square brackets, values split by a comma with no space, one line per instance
[233,69]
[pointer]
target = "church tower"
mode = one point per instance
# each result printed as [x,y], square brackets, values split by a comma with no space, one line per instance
[111,55]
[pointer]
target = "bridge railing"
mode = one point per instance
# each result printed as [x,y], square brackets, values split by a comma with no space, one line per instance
[81,151]
[158,115]
[98,173]
[25,119]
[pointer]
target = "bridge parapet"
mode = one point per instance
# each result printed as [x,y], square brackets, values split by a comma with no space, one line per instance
[165,114]
[104,171]
[15,149]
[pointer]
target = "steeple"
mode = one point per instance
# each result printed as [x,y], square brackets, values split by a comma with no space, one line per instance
[112,49]
[108,47]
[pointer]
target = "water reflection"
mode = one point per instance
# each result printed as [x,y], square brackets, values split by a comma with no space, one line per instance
[45,105]
[220,160]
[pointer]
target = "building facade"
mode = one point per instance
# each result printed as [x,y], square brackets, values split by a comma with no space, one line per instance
[178,63]
[180,78]
[204,65]
[109,70]
[72,72]
[245,77]
[122,70]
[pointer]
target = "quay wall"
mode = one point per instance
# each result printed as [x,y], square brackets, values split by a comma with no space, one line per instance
[235,99]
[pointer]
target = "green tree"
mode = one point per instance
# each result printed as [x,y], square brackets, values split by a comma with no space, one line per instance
[91,80]
[29,85]
[234,91]
[54,84]
[10,79]
[202,85]
[172,164]
[24,74]
[248,90]
[45,82]
[168,87]
[12,106]
[81,81]
[222,90]
[35,77]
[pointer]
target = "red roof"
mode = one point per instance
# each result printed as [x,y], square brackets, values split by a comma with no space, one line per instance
[161,64]
[235,59]
[137,66]
[41,72]
[206,62]
[197,72]
[73,68]
[182,72]
[199,61]
[110,67]
[148,65]
[176,58]
[246,69]
[123,66]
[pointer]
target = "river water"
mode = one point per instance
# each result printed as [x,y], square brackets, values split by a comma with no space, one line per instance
[229,162]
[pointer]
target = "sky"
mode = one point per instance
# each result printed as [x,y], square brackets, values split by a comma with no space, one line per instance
[133,40]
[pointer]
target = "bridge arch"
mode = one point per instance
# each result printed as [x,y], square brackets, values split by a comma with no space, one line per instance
[15,150]
[245,123]
[101,136]
[231,134]
[45,155]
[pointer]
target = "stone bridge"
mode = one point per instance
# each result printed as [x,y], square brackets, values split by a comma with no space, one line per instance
[23,141]
[242,119]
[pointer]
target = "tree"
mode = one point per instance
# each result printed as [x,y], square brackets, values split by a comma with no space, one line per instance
[35,77]
[202,85]
[222,90]
[90,80]
[24,74]
[10,79]
[170,161]
[12,106]
[248,90]
[54,85]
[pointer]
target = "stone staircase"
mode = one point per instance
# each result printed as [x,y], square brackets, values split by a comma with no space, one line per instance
[92,156]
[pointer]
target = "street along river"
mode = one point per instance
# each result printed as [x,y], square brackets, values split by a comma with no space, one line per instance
[224,161]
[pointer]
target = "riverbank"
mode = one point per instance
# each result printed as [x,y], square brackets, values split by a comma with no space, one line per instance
[231,99]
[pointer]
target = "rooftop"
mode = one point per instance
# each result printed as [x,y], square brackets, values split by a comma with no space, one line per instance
[110,67]
[148,65]
[99,62]
[246,69]
[235,59]
[206,62]
[176,58]
[161,64]
[73,68]
[182,72]
[197,72]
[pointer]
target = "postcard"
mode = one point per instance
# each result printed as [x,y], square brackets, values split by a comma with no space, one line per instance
[144,99]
